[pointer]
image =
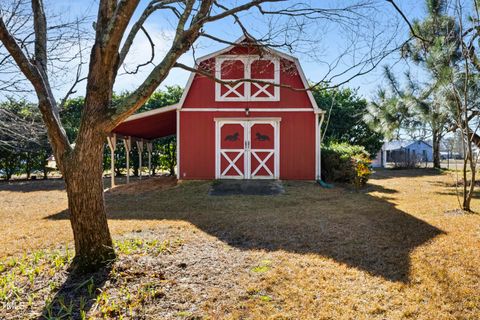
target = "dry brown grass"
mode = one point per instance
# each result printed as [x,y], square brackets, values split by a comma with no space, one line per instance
[27,205]
[388,252]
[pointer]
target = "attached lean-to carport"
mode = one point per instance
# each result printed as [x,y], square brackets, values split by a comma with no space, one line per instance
[142,128]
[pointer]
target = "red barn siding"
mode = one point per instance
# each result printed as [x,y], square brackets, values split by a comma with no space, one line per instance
[197,143]
[297,146]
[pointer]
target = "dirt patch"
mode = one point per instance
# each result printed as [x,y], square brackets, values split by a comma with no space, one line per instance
[145,185]
[456,212]
[246,187]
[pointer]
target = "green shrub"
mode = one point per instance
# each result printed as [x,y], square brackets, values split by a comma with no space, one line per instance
[342,162]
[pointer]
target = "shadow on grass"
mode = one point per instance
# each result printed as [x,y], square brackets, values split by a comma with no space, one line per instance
[383,173]
[50,184]
[455,188]
[76,295]
[356,229]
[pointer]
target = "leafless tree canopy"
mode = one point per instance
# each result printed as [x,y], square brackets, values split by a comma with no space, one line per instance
[302,28]
[19,131]
[66,47]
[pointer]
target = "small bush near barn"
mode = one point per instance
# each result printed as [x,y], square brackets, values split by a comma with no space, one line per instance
[343,162]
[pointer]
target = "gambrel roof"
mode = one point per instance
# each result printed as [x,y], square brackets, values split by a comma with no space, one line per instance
[269,50]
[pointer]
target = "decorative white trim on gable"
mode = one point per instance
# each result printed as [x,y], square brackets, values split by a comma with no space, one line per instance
[247,95]
[272,52]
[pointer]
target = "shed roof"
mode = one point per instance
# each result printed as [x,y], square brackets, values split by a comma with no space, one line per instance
[153,124]
[401,144]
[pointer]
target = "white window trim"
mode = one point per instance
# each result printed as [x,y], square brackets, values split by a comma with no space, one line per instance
[247,61]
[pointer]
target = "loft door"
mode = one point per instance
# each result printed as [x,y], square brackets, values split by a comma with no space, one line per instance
[247,149]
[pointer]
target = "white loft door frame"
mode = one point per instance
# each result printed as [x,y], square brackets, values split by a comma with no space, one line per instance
[247,152]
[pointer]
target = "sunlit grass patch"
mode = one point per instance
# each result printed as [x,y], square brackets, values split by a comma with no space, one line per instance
[184,314]
[262,267]
[139,245]
[22,279]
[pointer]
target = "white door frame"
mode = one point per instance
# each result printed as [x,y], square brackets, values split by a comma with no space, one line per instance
[247,153]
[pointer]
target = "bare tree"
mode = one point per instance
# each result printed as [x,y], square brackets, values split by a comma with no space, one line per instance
[454,61]
[465,96]
[19,127]
[114,34]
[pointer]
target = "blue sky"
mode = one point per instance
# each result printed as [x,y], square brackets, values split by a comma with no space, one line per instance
[326,40]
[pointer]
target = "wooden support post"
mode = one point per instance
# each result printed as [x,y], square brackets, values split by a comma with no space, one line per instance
[384,164]
[319,117]
[128,146]
[140,152]
[149,149]
[112,144]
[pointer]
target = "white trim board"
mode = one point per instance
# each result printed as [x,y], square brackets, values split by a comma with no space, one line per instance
[152,112]
[257,120]
[178,144]
[245,110]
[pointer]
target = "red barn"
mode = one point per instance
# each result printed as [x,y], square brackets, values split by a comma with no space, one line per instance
[267,127]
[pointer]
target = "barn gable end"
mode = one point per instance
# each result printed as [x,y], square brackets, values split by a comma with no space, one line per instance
[247,61]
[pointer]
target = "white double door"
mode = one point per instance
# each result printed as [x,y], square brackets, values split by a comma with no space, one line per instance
[247,149]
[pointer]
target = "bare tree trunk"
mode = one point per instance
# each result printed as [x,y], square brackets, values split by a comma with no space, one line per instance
[471,187]
[83,178]
[45,169]
[436,149]
[466,202]
[469,159]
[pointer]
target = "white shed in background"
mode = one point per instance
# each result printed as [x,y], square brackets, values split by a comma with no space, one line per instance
[402,151]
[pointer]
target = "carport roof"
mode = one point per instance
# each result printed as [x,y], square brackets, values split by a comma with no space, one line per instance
[153,124]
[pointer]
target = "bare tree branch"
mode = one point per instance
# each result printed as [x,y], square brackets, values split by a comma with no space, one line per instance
[404,17]
[46,102]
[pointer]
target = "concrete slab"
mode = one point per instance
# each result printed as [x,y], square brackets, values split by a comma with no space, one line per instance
[246,187]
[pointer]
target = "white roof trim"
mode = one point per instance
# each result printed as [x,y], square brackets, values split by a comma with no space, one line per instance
[273,51]
[239,40]
[152,112]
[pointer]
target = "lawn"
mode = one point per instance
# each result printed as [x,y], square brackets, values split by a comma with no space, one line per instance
[391,251]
